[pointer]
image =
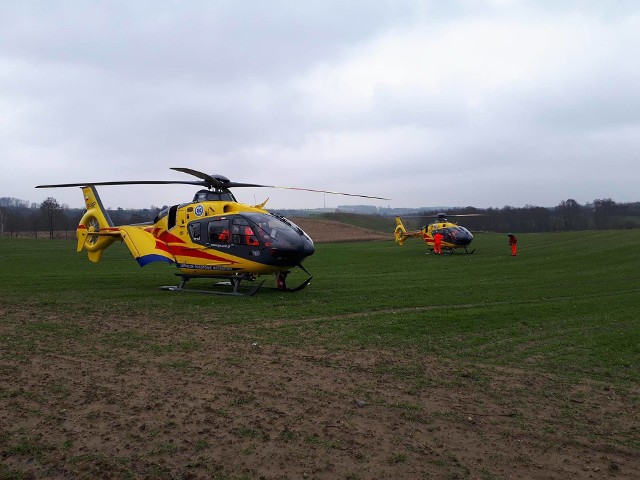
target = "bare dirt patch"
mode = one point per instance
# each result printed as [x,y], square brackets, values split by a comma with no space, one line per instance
[142,398]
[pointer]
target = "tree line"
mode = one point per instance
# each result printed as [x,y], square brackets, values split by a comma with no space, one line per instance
[601,214]
[50,218]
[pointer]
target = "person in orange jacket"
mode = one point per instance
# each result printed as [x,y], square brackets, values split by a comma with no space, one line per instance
[437,243]
[513,241]
[250,237]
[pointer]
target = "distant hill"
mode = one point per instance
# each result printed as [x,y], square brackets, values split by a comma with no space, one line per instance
[322,230]
[376,223]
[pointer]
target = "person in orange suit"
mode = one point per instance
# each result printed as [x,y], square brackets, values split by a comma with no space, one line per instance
[513,241]
[250,237]
[437,243]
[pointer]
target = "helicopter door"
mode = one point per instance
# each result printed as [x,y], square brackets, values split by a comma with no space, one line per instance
[218,231]
[449,235]
[242,233]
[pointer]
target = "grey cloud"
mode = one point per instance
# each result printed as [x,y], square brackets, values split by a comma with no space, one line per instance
[128,89]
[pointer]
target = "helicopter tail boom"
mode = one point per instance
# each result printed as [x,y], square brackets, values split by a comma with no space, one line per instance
[96,232]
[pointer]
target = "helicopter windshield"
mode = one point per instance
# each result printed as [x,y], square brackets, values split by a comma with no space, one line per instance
[276,231]
[457,235]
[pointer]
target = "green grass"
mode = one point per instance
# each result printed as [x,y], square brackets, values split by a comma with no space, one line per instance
[568,304]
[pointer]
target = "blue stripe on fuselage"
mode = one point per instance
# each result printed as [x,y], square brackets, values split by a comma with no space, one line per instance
[147,259]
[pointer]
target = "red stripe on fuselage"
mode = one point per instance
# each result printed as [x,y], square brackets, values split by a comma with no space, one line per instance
[169,238]
[196,253]
[160,245]
[177,246]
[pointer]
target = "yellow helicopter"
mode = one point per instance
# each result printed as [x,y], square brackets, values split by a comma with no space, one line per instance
[213,236]
[453,236]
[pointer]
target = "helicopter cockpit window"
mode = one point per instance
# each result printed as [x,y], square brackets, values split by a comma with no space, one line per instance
[218,231]
[274,232]
[194,231]
[243,233]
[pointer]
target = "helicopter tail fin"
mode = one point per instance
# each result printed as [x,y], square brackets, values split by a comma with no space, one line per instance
[400,233]
[95,231]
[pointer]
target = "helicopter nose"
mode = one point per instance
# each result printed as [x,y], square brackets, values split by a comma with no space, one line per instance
[308,249]
[466,239]
[292,255]
[463,237]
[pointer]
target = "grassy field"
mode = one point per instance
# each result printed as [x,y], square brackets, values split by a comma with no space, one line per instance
[391,364]
[568,304]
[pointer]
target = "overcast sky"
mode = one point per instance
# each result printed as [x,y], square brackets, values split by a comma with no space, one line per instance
[469,102]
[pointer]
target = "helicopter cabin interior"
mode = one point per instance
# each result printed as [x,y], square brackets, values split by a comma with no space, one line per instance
[236,231]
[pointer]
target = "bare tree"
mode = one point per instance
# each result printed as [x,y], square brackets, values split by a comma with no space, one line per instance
[4,216]
[603,210]
[51,210]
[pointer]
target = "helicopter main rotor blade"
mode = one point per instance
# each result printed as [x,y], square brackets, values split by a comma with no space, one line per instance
[239,185]
[131,182]
[332,193]
[221,182]
[437,218]
[228,184]
[214,182]
[209,181]
[468,215]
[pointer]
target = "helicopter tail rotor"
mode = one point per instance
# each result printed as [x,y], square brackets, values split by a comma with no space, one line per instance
[400,232]
[95,231]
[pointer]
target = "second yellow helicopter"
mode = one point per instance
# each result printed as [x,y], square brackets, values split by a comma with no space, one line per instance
[453,236]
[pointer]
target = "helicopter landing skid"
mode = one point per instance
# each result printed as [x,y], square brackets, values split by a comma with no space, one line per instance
[284,288]
[281,281]
[228,281]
